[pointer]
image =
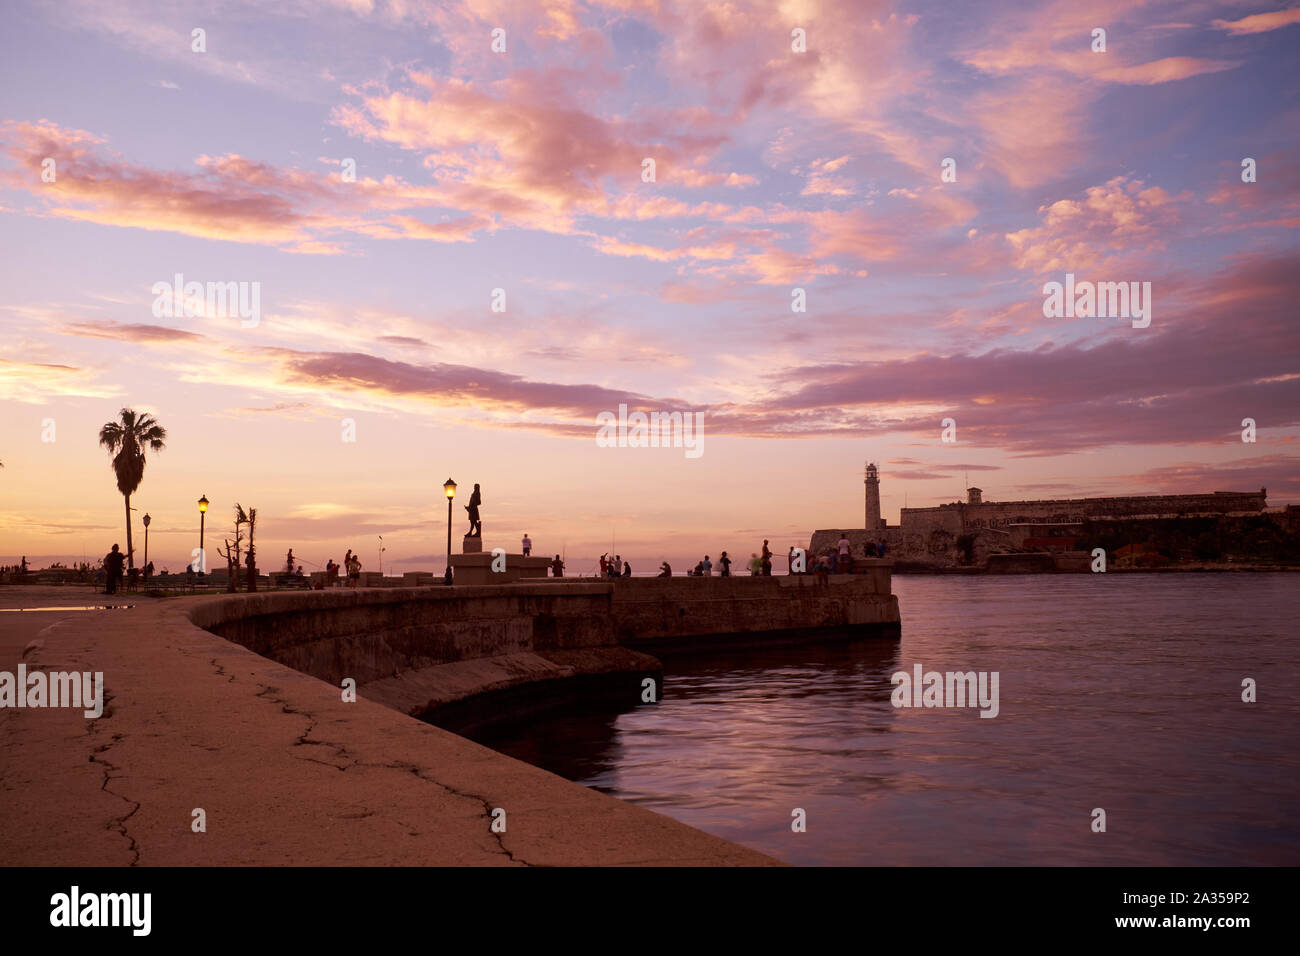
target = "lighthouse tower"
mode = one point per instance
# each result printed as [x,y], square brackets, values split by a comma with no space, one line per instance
[872,482]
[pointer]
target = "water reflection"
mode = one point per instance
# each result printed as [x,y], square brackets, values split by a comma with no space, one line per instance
[1120,692]
[582,743]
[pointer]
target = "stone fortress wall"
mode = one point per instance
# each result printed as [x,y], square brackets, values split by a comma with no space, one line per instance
[962,516]
[930,536]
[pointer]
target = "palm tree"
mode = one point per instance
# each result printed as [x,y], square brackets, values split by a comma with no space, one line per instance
[127,441]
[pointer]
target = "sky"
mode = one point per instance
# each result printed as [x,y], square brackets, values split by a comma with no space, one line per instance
[826,227]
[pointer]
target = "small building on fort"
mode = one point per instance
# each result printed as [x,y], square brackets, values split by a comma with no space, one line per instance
[966,533]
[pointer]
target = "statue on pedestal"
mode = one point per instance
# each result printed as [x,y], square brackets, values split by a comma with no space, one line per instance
[475,526]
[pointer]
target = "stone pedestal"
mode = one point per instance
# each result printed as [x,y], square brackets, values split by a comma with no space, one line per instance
[471,545]
[477,568]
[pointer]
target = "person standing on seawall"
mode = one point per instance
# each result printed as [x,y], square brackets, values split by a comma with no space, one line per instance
[527,545]
[113,562]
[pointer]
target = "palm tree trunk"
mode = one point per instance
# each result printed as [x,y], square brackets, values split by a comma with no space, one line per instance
[130,560]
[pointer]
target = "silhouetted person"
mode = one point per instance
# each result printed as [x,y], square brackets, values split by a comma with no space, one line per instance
[113,562]
[767,559]
[557,567]
[527,544]
[665,570]
[627,570]
[288,562]
[475,526]
[725,562]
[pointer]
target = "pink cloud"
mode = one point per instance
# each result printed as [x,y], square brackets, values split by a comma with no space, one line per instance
[126,332]
[1259,22]
[1168,70]
[1120,216]
[230,198]
[523,152]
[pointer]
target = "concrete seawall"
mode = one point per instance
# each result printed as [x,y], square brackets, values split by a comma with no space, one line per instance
[285,771]
[428,651]
[705,613]
[371,634]
[289,772]
[513,647]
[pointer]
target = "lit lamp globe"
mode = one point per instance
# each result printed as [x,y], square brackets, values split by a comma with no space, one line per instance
[203,513]
[449,487]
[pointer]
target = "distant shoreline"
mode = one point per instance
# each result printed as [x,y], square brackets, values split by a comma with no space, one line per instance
[1181,569]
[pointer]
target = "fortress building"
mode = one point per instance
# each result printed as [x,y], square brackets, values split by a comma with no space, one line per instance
[966,532]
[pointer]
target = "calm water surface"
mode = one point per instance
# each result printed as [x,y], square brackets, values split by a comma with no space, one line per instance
[1117,691]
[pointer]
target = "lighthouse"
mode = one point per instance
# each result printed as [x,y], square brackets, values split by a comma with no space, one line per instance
[872,481]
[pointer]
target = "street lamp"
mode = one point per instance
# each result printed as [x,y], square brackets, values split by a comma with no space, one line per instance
[449,487]
[146,519]
[203,511]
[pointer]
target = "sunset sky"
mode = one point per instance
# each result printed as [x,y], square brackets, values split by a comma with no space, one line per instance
[522,171]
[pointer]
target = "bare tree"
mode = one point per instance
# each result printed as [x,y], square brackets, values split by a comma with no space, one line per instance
[251,560]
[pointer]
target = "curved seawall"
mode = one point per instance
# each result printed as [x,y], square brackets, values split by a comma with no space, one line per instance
[285,769]
[233,704]
[424,650]
[459,655]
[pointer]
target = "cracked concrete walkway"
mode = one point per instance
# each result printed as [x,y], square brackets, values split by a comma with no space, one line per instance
[285,771]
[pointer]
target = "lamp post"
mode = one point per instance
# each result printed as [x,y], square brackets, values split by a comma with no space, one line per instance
[449,487]
[146,519]
[203,511]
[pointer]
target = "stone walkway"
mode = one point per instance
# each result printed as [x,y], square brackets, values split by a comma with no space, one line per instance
[285,771]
